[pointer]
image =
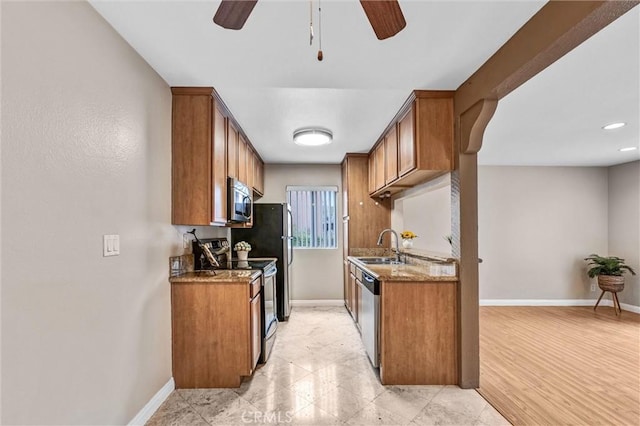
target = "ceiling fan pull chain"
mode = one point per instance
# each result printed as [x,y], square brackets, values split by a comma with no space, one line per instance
[310,22]
[319,31]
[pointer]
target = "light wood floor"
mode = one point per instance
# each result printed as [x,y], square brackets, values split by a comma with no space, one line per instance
[561,365]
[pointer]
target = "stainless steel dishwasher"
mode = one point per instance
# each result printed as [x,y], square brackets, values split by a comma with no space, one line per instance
[370,317]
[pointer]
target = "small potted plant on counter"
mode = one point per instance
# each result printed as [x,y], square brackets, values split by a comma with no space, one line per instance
[407,239]
[609,271]
[242,248]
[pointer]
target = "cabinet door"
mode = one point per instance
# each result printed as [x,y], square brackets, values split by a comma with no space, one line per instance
[406,144]
[379,166]
[345,191]
[219,172]
[251,156]
[191,160]
[242,160]
[352,297]
[232,150]
[256,331]
[256,173]
[372,172]
[260,177]
[391,155]
[346,283]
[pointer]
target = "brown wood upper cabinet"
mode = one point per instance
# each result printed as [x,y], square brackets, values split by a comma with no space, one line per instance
[243,174]
[232,150]
[207,145]
[380,166]
[423,142]
[391,155]
[198,157]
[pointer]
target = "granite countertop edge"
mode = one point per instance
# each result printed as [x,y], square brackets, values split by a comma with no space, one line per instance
[402,272]
[219,277]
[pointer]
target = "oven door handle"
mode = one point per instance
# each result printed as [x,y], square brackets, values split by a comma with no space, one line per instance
[271,274]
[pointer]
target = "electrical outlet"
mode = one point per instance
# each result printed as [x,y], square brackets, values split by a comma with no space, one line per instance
[593,287]
[185,240]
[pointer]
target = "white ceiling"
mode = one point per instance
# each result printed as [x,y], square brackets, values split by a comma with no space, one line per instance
[269,77]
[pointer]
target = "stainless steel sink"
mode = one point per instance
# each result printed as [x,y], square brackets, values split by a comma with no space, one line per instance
[379,260]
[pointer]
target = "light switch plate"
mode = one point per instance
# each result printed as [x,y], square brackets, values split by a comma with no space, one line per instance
[110,245]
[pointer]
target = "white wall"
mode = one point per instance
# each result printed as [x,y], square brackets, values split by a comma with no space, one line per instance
[85,152]
[536,224]
[624,224]
[316,273]
[425,210]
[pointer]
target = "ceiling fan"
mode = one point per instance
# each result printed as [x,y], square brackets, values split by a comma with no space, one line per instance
[385,16]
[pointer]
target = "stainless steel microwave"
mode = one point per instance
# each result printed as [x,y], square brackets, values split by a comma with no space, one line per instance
[240,201]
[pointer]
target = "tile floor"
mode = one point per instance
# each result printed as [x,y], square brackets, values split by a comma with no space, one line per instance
[319,374]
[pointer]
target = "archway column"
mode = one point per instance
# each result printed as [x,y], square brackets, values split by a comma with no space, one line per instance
[557,28]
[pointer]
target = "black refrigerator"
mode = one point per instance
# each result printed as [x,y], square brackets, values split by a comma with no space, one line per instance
[270,236]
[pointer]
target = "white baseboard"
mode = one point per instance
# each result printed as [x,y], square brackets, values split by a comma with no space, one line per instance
[154,403]
[555,302]
[321,302]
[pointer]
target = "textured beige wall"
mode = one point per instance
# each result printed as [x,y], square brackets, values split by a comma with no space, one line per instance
[85,152]
[316,273]
[536,224]
[624,224]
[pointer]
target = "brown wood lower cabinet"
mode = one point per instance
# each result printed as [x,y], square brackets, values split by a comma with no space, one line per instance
[418,333]
[215,333]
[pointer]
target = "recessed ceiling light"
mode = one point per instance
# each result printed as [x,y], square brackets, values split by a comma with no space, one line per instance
[630,148]
[312,136]
[614,126]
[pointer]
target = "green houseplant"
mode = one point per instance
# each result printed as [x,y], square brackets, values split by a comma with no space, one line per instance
[609,271]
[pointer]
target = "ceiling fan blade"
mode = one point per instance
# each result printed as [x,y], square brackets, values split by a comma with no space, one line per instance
[232,14]
[385,17]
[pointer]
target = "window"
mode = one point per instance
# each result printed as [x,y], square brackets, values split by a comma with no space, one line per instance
[314,216]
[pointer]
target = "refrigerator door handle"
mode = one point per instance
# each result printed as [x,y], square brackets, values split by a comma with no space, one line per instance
[290,238]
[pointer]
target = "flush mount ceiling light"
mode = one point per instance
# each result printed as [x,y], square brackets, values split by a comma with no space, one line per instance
[631,148]
[614,126]
[312,136]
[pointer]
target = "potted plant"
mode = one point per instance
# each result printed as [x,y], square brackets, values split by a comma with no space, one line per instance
[609,271]
[242,248]
[407,238]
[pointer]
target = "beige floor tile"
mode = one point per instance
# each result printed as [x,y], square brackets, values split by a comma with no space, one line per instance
[491,417]
[406,401]
[175,411]
[452,406]
[209,402]
[340,403]
[366,386]
[372,414]
[313,415]
[237,412]
[283,402]
[256,387]
[312,386]
[319,373]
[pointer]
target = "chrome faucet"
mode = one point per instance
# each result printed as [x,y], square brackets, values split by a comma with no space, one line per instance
[394,233]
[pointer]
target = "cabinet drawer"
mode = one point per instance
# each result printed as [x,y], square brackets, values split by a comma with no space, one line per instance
[352,268]
[359,274]
[255,287]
